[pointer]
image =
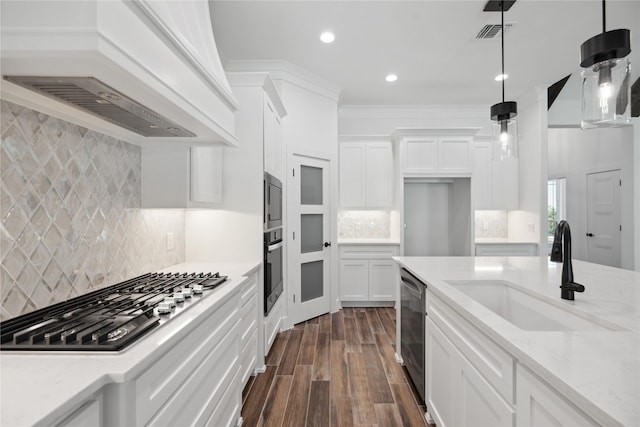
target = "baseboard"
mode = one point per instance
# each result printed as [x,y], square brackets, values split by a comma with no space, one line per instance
[398,359]
[240,421]
[260,370]
[368,304]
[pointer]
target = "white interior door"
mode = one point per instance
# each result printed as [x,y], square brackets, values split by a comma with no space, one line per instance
[309,232]
[603,218]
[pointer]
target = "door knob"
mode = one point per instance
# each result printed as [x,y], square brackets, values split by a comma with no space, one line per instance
[327,244]
[589,234]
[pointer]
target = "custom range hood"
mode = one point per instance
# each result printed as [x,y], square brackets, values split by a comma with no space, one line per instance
[143,71]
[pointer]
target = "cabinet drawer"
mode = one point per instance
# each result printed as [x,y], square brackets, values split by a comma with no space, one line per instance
[248,358]
[495,364]
[228,411]
[248,289]
[89,414]
[248,320]
[373,251]
[158,383]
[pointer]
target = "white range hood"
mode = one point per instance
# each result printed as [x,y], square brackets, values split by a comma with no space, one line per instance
[150,62]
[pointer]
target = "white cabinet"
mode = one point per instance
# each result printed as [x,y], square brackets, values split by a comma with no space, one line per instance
[248,328]
[540,405]
[457,395]
[367,273]
[181,177]
[366,174]
[443,155]
[495,182]
[273,153]
[89,413]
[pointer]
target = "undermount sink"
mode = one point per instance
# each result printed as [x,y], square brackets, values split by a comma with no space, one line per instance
[527,311]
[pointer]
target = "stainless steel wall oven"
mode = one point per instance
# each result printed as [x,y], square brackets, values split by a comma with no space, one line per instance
[273,277]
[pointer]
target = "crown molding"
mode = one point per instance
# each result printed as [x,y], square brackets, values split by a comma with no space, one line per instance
[413,111]
[262,80]
[290,73]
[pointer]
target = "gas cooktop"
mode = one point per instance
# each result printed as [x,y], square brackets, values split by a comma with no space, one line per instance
[108,319]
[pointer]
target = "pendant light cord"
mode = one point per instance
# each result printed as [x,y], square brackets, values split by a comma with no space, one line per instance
[604,18]
[502,38]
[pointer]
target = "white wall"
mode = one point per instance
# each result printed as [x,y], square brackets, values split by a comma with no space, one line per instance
[573,153]
[528,224]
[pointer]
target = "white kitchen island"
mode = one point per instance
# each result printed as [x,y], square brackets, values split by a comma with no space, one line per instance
[190,366]
[484,367]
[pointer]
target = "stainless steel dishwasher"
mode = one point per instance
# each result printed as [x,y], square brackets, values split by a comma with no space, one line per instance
[412,320]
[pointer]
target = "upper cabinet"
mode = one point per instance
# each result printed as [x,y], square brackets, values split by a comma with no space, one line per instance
[366,174]
[156,59]
[495,182]
[273,144]
[181,177]
[442,152]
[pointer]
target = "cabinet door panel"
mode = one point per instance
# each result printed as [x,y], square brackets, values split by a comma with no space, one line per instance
[382,280]
[352,175]
[540,405]
[268,129]
[482,176]
[440,376]
[454,154]
[420,155]
[379,175]
[354,280]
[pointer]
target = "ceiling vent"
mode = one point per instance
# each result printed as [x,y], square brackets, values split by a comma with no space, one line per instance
[490,31]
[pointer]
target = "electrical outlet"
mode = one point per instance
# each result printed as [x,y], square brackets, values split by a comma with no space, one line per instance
[532,228]
[170,241]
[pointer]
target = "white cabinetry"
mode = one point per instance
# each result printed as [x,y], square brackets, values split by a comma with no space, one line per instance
[248,328]
[181,177]
[433,151]
[469,378]
[273,154]
[540,405]
[89,413]
[367,273]
[366,174]
[495,182]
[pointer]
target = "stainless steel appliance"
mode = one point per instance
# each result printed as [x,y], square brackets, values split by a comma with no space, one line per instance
[412,321]
[273,278]
[108,319]
[272,202]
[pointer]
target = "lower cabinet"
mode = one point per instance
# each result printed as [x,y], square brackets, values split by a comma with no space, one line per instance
[457,394]
[540,405]
[367,273]
[89,413]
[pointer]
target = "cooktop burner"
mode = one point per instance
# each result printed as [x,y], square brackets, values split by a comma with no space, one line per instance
[108,319]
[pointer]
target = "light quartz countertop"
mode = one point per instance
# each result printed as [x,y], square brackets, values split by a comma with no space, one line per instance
[501,241]
[369,241]
[598,370]
[37,388]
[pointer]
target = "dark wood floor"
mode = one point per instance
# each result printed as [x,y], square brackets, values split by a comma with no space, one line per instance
[335,370]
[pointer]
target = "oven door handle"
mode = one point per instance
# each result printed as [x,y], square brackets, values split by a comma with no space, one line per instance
[272,248]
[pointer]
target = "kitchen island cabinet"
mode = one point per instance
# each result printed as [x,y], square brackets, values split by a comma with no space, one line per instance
[482,369]
[187,371]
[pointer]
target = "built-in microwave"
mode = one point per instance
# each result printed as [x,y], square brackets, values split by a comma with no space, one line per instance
[272,202]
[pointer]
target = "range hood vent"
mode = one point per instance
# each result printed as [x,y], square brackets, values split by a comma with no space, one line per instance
[490,31]
[97,98]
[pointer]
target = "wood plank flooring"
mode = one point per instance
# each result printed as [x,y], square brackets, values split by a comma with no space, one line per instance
[337,370]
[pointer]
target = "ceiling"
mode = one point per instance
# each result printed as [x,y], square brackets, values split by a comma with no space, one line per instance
[430,45]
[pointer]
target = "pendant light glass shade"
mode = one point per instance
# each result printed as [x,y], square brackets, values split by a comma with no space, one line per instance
[606,88]
[505,139]
[606,94]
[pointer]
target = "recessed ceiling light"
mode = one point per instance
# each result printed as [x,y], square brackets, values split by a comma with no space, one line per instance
[501,77]
[391,78]
[327,37]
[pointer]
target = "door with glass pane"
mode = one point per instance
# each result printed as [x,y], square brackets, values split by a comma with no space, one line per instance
[309,231]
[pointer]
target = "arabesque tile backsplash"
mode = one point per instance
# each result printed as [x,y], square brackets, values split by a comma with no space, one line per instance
[70,209]
[364,224]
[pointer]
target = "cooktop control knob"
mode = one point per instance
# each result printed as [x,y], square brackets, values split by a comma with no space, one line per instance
[186,292]
[163,308]
[196,289]
[178,298]
[170,301]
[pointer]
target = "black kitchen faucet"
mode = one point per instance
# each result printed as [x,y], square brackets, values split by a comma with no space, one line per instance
[567,286]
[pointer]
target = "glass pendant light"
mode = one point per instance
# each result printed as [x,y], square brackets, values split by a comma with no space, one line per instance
[505,128]
[606,92]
